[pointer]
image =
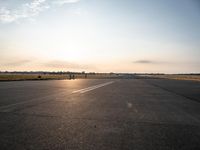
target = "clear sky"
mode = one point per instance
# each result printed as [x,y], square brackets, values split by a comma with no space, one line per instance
[100,35]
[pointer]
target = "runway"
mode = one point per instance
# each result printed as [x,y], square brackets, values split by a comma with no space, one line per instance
[100,114]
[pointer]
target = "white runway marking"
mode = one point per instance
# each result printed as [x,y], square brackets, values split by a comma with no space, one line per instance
[11,107]
[92,87]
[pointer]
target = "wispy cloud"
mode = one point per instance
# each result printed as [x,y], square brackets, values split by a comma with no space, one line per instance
[62,2]
[26,10]
[29,10]
[144,61]
[33,63]
[58,64]
[16,63]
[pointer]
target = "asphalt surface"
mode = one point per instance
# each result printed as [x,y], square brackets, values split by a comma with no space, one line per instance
[118,114]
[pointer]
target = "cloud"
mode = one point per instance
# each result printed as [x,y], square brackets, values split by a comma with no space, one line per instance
[58,64]
[62,2]
[16,63]
[26,10]
[5,15]
[144,62]
[29,10]
[32,63]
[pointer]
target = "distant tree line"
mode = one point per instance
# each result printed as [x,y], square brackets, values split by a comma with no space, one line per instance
[85,73]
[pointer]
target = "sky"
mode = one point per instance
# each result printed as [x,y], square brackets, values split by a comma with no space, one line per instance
[158,36]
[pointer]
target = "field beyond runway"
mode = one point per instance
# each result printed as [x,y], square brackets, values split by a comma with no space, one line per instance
[100,114]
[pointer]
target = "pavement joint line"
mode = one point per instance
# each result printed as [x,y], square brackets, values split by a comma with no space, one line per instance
[92,87]
[181,95]
[175,93]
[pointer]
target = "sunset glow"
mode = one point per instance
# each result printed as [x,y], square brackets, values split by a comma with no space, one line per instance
[100,35]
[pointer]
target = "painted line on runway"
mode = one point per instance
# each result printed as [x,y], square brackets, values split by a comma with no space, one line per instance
[36,101]
[92,87]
